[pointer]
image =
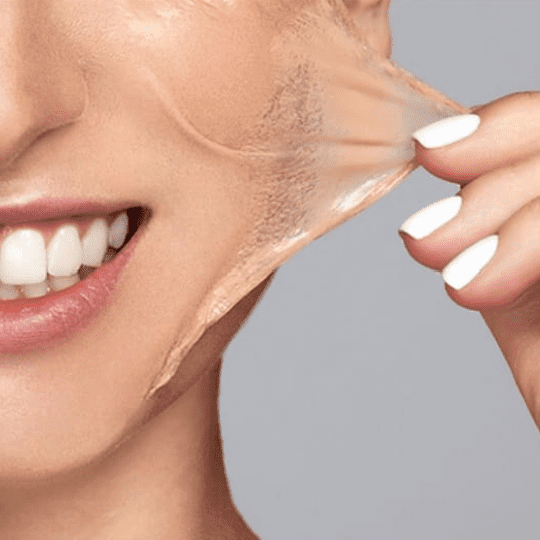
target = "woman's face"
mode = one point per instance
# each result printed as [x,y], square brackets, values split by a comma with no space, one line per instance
[169,103]
[139,100]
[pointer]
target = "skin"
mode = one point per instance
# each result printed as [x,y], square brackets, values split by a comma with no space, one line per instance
[89,90]
[83,454]
[498,169]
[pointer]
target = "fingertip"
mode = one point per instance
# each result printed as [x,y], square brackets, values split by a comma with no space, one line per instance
[404,236]
[438,149]
[447,131]
[445,164]
[480,296]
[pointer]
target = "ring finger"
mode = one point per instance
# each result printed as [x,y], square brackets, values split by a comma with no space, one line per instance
[492,203]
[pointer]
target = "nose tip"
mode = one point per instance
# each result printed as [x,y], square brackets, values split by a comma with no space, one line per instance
[42,87]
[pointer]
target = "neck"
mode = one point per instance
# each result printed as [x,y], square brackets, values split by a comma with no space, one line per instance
[166,482]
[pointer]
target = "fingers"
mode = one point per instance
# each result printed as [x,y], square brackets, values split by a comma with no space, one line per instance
[486,204]
[485,240]
[489,253]
[508,131]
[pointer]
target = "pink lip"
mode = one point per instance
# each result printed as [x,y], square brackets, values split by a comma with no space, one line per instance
[41,323]
[43,209]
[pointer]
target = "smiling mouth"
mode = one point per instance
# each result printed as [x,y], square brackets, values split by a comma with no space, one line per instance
[109,236]
[137,217]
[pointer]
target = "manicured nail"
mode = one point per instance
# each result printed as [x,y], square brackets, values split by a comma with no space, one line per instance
[432,217]
[447,131]
[467,265]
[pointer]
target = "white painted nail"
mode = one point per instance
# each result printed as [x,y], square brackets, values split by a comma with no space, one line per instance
[447,131]
[432,217]
[459,272]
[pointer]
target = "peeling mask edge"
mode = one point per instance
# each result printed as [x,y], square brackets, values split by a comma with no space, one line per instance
[345,143]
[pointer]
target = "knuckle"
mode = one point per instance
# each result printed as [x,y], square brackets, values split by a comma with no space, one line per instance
[531,209]
[525,99]
[529,95]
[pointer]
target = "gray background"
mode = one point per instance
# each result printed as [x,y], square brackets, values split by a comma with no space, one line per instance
[359,401]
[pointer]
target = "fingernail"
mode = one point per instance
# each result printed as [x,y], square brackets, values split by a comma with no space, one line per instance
[447,131]
[432,217]
[459,272]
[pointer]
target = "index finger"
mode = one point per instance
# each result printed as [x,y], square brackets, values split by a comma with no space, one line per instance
[509,132]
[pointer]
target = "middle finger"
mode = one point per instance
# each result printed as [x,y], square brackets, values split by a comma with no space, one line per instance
[433,237]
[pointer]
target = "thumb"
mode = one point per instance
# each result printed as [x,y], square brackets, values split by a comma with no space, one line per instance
[505,131]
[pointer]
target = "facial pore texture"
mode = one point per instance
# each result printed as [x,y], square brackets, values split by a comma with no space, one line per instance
[334,138]
[249,127]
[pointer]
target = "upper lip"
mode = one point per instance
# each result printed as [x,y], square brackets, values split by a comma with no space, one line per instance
[42,209]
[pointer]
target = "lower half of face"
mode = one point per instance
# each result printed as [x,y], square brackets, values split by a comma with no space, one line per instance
[184,109]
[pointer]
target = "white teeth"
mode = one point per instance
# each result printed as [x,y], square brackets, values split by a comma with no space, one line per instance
[35,290]
[94,243]
[119,230]
[63,282]
[23,258]
[26,261]
[65,253]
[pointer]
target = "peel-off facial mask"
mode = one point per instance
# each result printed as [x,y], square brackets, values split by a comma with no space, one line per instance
[334,139]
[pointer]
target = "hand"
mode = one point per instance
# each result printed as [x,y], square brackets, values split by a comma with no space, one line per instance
[498,168]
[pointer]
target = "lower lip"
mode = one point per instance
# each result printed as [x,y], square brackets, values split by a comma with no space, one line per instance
[37,324]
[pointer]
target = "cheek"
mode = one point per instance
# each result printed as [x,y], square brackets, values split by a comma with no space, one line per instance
[222,74]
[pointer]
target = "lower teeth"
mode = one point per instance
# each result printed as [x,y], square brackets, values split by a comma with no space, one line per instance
[53,283]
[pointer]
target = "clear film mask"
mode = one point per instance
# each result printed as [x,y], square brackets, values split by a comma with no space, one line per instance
[334,139]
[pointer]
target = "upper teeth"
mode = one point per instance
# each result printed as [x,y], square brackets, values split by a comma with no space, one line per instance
[24,258]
